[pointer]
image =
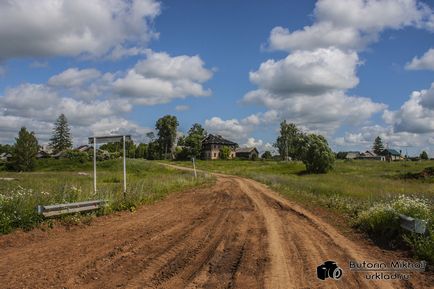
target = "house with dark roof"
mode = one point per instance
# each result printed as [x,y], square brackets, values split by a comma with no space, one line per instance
[370,155]
[391,155]
[5,157]
[247,153]
[212,144]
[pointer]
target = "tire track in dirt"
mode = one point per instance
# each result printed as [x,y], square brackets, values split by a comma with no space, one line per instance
[237,234]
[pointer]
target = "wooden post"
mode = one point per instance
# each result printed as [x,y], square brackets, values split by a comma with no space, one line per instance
[125,170]
[94,165]
[194,167]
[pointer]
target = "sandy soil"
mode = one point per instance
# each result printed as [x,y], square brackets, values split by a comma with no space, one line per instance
[236,234]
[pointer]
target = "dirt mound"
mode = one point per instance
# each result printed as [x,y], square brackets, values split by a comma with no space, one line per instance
[427,173]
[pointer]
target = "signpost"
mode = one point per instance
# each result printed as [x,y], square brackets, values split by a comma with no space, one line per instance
[194,167]
[109,139]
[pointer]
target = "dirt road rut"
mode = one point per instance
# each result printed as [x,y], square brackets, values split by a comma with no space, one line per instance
[236,234]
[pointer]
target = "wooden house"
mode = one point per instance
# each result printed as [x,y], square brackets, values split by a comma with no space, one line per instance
[212,144]
[247,153]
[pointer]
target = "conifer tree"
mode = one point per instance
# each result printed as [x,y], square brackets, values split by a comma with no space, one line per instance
[378,146]
[61,138]
[24,151]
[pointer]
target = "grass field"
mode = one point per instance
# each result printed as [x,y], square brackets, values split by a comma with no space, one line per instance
[359,183]
[63,181]
[369,194]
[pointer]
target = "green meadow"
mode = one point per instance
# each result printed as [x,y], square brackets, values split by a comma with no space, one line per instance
[64,181]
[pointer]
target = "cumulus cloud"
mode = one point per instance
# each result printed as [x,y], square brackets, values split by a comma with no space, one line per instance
[73,28]
[363,139]
[308,88]
[239,130]
[309,72]
[95,101]
[424,62]
[42,103]
[74,77]
[416,115]
[231,128]
[352,24]
[259,144]
[160,78]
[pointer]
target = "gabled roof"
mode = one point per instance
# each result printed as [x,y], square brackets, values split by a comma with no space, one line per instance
[245,150]
[217,139]
[390,152]
[369,154]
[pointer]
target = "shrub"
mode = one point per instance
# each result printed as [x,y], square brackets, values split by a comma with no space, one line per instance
[225,153]
[382,222]
[78,156]
[317,155]
[423,246]
[424,155]
[413,207]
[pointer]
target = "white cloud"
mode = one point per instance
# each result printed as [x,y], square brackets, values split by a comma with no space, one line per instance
[308,88]
[259,144]
[308,72]
[316,36]
[412,143]
[73,28]
[91,99]
[74,77]
[230,128]
[352,24]
[42,103]
[416,115]
[162,65]
[424,62]
[160,78]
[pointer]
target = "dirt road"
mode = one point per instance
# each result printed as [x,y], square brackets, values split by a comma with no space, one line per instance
[236,234]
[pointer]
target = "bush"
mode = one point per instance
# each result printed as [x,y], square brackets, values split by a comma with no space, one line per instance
[225,153]
[317,155]
[78,156]
[382,222]
[413,207]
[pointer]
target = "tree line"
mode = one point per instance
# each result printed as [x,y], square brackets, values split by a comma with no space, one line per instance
[160,146]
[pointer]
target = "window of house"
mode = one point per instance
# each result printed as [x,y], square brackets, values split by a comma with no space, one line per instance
[215,154]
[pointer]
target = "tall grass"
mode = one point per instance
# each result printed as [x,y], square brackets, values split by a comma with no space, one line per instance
[63,181]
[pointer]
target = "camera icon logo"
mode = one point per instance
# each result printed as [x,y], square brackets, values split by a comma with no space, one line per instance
[329,270]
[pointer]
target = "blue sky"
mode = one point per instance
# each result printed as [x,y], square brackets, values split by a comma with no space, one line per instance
[350,70]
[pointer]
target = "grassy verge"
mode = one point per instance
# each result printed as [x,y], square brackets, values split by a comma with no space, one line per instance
[370,194]
[64,181]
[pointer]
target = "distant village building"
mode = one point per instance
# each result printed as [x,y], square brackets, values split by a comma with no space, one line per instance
[391,155]
[370,155]
[84,148]
[247,153]
[352,155]
[42,155]
[5,157]
[212,144]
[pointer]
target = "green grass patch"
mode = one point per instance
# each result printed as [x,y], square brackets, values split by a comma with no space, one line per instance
[64,181]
